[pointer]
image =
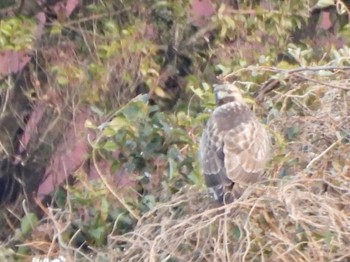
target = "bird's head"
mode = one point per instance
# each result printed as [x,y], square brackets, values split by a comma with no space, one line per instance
[227,93]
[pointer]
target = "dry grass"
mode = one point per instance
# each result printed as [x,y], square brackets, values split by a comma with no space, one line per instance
[286,221]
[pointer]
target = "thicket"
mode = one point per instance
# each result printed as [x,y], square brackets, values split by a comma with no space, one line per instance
[140,72]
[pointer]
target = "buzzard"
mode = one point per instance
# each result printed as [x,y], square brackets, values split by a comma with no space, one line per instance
[234,146]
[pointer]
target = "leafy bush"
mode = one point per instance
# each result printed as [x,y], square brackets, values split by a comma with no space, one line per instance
[155,145]
[17,33]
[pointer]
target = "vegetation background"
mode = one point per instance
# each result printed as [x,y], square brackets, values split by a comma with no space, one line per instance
[102,106]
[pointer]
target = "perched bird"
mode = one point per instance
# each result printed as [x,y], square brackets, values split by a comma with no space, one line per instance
[234,146]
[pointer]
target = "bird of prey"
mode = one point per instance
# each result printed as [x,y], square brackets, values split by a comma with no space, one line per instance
[234,146]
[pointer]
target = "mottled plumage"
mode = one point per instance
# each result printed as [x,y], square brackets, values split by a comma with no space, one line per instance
[234,146]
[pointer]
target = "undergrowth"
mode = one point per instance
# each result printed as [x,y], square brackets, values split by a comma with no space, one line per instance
[300,214]
[149,202]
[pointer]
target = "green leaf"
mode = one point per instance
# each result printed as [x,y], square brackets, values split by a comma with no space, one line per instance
[104,209]
[324,3]
[110,146]
[28,223]
[197,91]
[89,124]
[230,22]
[60,197]
[172,168]
[149,201]
[206,86]
[118,123]
[325,73]
[328,237]
[23,250]
[62,79]
[291,133]
[98,234]
[236,232]
[135,110]
[123,220]
[111,26]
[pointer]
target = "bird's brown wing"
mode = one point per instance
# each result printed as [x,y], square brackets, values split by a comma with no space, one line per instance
[246,154]
[211,151]
[212,161]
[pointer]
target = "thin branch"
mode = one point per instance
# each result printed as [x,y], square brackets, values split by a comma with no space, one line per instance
[323,153]
[309,68]
[92,17]
[321,82]
[288,71]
